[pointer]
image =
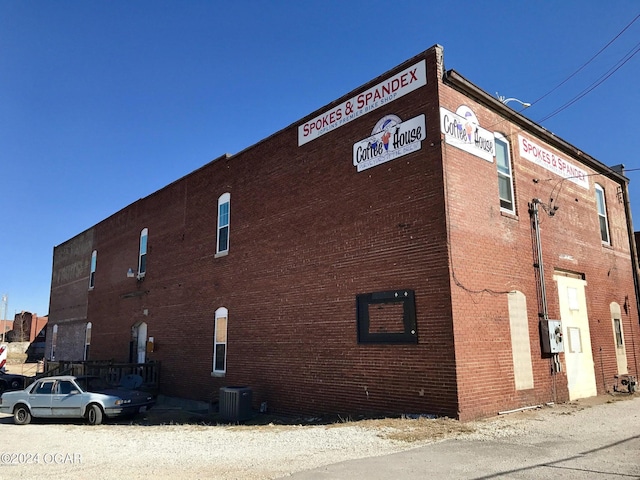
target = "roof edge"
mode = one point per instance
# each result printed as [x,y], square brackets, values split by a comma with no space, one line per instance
[457,81]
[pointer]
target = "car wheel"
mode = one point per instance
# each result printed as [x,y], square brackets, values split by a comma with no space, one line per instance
[15,384]
[94,415]
[21,415]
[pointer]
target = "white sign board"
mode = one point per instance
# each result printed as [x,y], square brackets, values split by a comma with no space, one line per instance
[391,89]
[552,162]
[391,138]
[461,130]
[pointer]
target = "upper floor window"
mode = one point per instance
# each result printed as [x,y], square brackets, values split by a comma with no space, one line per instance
[220,341]
[92,274]
[142,258]
[505,177]
[223,224]
[602,215]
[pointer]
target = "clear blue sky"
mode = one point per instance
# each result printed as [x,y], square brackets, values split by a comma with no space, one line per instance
[105,102]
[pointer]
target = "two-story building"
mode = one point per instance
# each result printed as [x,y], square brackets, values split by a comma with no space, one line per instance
[416,246]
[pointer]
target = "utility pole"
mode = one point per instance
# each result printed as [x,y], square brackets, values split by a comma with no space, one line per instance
[5,303]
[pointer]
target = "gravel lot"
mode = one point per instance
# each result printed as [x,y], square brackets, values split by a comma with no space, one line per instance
[163,447]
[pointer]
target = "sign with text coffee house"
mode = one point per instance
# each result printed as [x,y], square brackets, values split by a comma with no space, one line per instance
[398,85]
[462,130]
[390,138]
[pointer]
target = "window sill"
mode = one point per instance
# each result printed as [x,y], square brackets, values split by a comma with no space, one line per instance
[218,374]
[222,254]
[508,214]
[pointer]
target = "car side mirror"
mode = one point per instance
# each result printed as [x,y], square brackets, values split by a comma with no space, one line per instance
[74,392]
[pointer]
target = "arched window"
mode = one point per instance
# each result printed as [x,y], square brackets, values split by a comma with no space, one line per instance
[54,342]
[222,246]
[142,258]
[220,341]
[92,275]
[87,341]
[618,338]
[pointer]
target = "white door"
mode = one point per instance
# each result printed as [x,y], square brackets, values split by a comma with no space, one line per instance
[578,358]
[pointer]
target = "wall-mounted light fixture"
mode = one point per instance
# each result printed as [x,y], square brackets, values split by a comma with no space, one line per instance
[505,100]
[131,274]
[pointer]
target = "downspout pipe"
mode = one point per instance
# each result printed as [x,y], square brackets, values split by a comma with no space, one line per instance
[633,250]
[630,232]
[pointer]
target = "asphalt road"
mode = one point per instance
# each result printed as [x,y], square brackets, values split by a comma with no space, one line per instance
[577,441]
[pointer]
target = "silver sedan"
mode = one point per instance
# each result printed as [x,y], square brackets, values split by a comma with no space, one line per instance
[73,397]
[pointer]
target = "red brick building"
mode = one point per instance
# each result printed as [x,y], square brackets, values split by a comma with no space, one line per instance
[26,327]
[399,250]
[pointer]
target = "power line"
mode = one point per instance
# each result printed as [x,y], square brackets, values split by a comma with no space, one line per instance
[594,85]
[587,62]
[597,83]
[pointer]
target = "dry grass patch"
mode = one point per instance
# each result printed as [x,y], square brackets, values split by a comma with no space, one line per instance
[396,429]
[405,429]
[416,430]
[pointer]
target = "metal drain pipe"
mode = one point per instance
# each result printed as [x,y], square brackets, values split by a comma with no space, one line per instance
[539,265]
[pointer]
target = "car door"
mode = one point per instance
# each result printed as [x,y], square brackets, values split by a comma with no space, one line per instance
[40,398]
[66,400]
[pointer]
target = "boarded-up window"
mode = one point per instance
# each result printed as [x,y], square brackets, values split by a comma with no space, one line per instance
[575,341]
[386,317]
[520,341]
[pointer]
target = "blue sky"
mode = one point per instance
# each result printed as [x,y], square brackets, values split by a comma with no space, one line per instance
[105,102]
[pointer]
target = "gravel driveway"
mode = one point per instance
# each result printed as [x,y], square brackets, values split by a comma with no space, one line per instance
[164,450]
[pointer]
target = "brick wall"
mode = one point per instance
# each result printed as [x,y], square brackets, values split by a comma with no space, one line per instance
[308,233]
[68,300]
[493,252]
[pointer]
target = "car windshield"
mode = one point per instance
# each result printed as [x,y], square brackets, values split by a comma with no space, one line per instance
[92,384]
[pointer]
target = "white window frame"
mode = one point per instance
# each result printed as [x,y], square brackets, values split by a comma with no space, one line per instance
[92,273]
[618,338]
[617,331]
[142,255]
[87,341]
[223,222]
[505,174]
[220,341]
[54,343]
[601,206]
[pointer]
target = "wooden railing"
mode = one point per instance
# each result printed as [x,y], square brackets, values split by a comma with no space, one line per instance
[112,373]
